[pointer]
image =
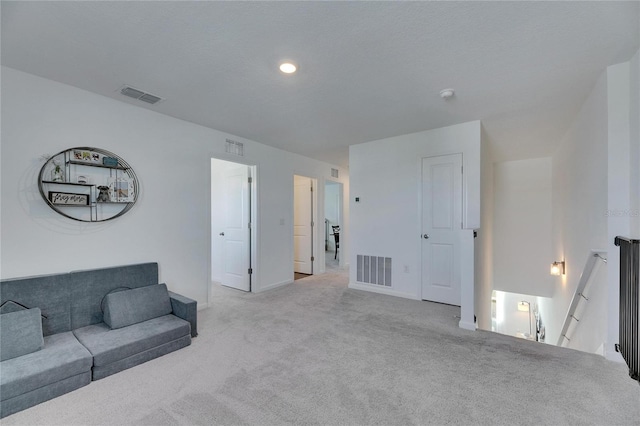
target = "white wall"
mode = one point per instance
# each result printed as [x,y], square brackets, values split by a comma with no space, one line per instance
[385,175]
[579,178]
[217,217]
[522,235]
[484,241]
[170,223]
[634,153]
[596,191]
[589,333]
[619,187]
[545,306]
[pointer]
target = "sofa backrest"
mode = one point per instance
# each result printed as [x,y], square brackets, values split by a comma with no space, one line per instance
[50,293]
[72,300]
[89,288]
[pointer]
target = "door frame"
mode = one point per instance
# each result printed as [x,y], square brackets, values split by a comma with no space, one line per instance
[341,258]
[318,255]
[420,227]
[254,259]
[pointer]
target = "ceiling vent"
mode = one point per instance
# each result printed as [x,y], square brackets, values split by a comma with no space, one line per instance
[234,147]
[334,173]
[140,95]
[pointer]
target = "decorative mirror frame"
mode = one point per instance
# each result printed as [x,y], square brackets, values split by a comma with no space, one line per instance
[120,187]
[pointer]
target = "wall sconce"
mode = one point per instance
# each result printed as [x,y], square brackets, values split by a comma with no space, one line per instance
[557,268]
[523,306]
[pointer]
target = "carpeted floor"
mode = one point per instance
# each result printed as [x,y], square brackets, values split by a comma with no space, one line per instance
[315,352]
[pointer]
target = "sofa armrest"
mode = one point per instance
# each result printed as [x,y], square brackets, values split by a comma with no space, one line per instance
[185,308]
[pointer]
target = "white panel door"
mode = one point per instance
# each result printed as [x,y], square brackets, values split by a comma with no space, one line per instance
[236,234]
[441,228]
[302,225]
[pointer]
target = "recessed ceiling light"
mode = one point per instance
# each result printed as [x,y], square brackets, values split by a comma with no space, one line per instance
[288,68]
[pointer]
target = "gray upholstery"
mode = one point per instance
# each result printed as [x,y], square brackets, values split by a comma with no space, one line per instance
[62,357]
[134,306]
[187,309]
[45,393]
[73,301]
[100,372]
[50,293]
[20,333]
[88,289]
[11,306]
[107,345]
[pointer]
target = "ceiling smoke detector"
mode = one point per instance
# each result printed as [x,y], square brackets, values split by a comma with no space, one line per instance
[446,93]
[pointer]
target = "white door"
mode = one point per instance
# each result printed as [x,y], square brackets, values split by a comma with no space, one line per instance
[302,225]
[441,228]
[236,252]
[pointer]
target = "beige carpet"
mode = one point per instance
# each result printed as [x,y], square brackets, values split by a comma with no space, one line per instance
[314,352]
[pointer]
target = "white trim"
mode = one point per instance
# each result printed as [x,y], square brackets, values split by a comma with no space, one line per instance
[255,217]
[421,225]
[382,290]
[272,286]
[255,224]
[341,219]
[467,325]
[612,355]
[318,241]
[467,279]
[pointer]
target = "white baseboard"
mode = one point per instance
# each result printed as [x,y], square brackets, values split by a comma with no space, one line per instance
[272,286]
[202,306]
[382,290]
[467,325]
[612,355]
[210,293]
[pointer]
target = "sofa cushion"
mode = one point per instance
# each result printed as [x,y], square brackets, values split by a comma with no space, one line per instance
[20,333]
[88,288]
[110,345]
[129,307]
[61,357]
[101,371]
[11,306]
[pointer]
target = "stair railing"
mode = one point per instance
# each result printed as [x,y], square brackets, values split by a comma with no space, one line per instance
[629,325]
[578,295]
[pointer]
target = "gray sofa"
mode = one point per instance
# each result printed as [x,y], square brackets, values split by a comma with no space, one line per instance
[61,331]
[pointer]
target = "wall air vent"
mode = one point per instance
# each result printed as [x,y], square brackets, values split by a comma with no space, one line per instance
[140,95]
[374,270]
[234,147]
[334,173]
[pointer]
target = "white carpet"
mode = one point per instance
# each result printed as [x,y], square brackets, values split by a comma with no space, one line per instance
[315,352]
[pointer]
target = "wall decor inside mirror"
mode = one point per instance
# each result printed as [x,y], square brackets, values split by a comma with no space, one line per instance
[88,184]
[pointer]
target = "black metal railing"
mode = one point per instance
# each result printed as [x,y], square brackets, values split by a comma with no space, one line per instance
[629,345]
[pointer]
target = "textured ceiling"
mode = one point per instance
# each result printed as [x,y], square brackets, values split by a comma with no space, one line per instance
[368,70]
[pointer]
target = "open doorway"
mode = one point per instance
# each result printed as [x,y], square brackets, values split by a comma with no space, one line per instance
[519,315]
[304,225]
[233,215]
[332,225]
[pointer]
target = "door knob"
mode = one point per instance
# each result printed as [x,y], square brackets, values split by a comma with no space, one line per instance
[425,236]
[222,234]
